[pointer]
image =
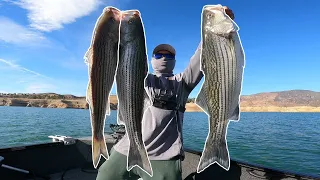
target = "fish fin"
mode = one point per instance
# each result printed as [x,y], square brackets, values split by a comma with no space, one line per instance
[88,55]
[120,110]
[201,100]
[146,103]
[108,111]
[214,153]
[138,157]
[235,115]
[99,147]
[238,48]
[120,117]
[88,93]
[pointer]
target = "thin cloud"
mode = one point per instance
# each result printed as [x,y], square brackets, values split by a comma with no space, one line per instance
[18,79]
[18,67]
[11,32]
[49,15]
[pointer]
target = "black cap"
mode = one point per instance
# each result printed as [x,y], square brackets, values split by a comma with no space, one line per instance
[165,47]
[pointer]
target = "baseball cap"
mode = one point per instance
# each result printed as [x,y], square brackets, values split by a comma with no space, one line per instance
[165,47]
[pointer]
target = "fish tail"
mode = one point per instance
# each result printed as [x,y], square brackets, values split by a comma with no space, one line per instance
[138,157]
[99,147]
[214,153]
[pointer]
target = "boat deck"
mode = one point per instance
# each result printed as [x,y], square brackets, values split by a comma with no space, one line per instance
[56,161]
[189,169]
[189,172]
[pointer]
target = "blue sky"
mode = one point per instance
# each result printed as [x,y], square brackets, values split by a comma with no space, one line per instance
[42,42]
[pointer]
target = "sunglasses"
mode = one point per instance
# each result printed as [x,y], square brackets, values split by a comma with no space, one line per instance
[159,56]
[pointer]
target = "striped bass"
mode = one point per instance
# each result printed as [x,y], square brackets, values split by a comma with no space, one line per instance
[130,80]
[101,58]
[222,62]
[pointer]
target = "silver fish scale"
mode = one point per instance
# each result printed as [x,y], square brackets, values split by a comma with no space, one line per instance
[218,57]
[130,86]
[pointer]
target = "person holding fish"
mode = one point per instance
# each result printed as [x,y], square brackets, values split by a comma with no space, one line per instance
[162,121]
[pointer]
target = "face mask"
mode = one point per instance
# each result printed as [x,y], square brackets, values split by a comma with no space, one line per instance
[163,66]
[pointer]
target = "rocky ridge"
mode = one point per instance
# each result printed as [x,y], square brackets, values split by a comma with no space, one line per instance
[283,101]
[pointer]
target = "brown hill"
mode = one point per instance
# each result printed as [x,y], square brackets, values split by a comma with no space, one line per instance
[283,101]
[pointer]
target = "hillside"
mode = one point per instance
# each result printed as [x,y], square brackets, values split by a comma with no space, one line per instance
[283,101]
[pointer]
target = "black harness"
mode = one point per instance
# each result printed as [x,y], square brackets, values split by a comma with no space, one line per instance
[166,98]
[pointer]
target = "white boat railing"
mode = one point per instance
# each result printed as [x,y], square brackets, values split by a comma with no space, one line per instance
[65,139]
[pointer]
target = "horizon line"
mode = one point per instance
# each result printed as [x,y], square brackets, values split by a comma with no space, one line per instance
[17,93]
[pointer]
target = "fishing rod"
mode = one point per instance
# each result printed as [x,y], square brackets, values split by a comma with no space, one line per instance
[19,170]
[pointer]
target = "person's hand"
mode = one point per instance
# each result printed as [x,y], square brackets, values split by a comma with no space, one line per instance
[229,12]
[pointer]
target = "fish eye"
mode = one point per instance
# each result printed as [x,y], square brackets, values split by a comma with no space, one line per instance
[112,19]
[130,21]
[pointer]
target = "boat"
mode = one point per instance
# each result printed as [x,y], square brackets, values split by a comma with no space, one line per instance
[70,158]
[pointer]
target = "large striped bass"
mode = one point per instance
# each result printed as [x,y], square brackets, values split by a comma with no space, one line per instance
[131,73]
[222,62]
[102,57]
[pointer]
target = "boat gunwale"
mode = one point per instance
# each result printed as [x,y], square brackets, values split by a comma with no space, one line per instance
[30,146]
[259,167]
[247,165]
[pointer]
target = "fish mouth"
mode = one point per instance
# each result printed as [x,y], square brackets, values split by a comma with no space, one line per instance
[108,23]
[212,10]
[112,12]
[129,14]
[213,7]
[217,21]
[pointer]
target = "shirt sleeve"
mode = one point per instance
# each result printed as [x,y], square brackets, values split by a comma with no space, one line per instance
[192,75]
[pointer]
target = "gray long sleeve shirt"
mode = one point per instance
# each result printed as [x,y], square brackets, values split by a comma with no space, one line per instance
[162,129]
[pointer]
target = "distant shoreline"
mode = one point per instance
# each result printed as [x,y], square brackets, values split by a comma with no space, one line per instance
[80,103]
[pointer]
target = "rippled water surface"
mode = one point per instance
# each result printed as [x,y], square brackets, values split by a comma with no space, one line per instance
[288,141]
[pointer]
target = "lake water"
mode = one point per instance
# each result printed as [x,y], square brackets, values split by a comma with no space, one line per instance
[288,141]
